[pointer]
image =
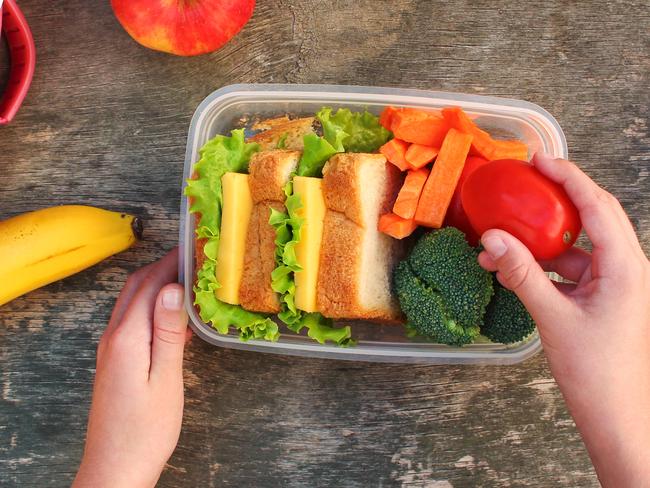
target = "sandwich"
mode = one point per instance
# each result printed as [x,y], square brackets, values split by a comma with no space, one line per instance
[286,227]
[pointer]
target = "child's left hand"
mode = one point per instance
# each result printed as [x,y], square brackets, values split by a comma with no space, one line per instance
[137,407]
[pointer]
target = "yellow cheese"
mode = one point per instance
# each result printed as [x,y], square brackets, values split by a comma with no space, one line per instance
[235,216]
[311,234]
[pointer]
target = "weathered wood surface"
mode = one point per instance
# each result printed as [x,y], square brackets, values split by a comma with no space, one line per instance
[105,123]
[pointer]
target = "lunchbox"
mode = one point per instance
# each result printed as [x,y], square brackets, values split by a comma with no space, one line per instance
[235,106]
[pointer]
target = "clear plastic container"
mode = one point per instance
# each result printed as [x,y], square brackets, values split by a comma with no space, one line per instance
[234,106]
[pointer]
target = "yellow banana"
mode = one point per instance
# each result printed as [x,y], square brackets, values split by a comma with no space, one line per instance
[37,248]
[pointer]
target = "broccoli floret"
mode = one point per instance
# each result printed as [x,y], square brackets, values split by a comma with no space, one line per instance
[442,289]
[506,319]
[426,311]
[447,263]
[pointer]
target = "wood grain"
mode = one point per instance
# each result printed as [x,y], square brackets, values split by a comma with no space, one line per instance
[105,123]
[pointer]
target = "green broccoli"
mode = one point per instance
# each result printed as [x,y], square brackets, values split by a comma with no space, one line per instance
[442,289]
[506,319]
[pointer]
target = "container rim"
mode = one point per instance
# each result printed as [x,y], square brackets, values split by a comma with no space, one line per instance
[399,96]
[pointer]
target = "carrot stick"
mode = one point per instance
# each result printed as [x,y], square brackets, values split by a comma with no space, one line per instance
[504,150]
[395,226]
[420,128]
[408,115]
[394,151]
[386,117]
[443,179]
[407,199]
[418,155]
[403,114]
[482,143]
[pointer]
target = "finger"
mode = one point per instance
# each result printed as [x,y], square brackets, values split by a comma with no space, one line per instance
[518,271]
[169,333]
[131,286]
[565,288]
[570,265]
[486,262]
[597,208]
[138,316]
[188,335]
[573,265]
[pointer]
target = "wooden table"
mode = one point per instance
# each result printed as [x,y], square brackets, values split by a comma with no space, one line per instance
[105,124]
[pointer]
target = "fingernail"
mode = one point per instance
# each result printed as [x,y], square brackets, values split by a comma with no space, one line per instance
[494,246]
[172,299]
[542,156]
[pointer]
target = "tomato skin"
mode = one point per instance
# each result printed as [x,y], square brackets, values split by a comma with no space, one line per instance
[513,196]
[456,216]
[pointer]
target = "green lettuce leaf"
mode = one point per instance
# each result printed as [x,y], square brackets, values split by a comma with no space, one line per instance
[282,142]
[316,153]
[287,235]
[223,315]
[221,155]
[287,227]
[356,131]
[321,330]
[345,131]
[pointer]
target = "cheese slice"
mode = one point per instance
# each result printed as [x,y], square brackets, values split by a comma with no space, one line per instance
[235,216]
[311,234]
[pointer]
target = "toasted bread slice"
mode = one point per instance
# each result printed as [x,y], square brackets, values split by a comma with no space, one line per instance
[199,242]
[270,123]
[269,172]
[273,130]
[356,261]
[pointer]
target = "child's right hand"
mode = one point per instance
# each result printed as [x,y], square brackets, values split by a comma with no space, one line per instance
[596,332]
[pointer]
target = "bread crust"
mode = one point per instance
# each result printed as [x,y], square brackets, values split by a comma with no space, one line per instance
[199,242]
[255,292]
[339,267]
[275,129]
[269,172]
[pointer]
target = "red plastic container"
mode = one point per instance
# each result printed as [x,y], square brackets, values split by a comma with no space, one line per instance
[23,59]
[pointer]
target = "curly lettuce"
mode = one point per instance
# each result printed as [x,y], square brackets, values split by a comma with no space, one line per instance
[321,330]
[355,131]
[282,142]
[218,156]
[316,153]
[344,131]
[287,227]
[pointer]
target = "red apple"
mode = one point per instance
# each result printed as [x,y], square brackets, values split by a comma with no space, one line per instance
[183,27]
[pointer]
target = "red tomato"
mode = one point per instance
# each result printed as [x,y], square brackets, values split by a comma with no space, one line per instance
[513,196]
[455,216]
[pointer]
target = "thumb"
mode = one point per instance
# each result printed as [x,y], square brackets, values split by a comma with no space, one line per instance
[169,332]
[518,271]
